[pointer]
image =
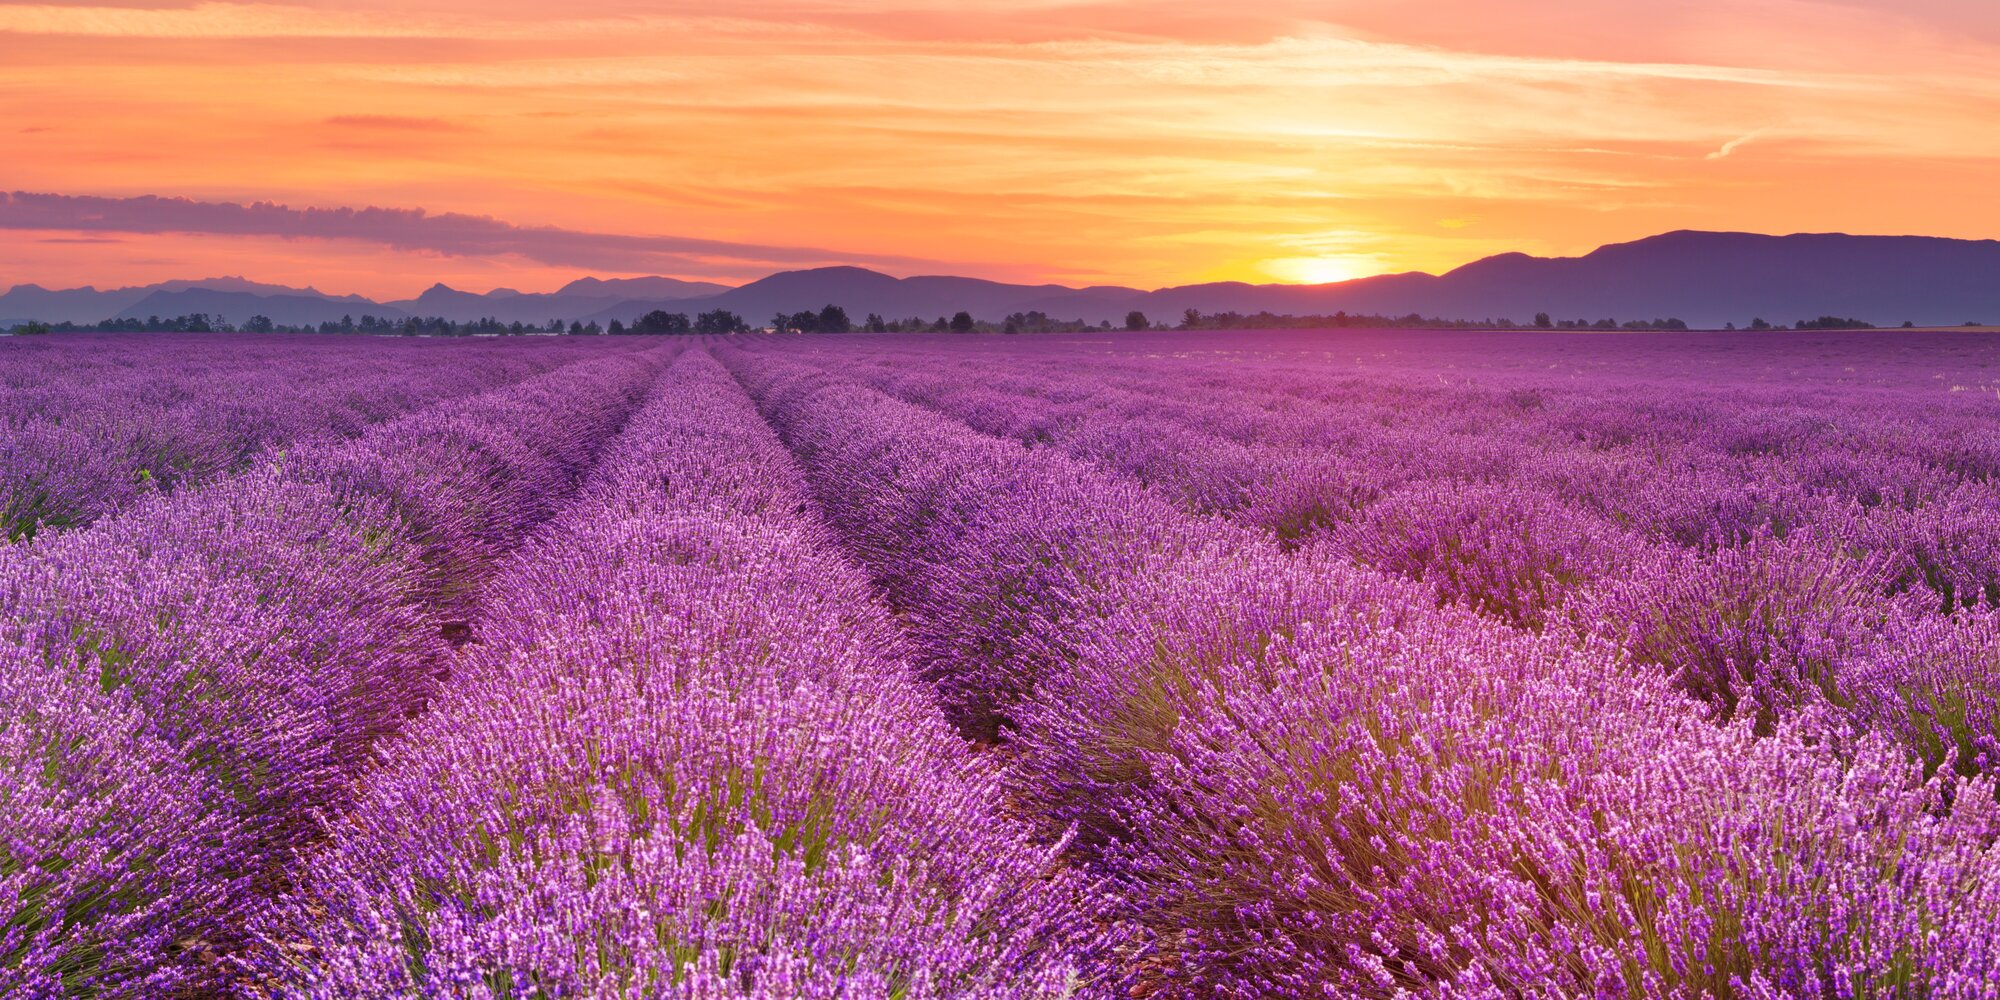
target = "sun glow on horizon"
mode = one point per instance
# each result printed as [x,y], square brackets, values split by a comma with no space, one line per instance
[1321,270]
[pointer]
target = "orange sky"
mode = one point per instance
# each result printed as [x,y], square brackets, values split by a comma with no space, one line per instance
[1145,143]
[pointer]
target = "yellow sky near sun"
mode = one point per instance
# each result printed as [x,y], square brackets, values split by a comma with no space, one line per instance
[1144,143]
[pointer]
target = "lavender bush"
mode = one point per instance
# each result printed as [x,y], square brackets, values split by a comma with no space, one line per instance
[260,633]
[92,426]
[685,759]
[1304,779]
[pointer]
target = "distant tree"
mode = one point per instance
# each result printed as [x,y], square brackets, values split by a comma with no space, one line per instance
[576,328]
[1729,326]
[1759,323]
[961,322]
[32,328]
[1191,319]
[1037,321]
[1655,324]
[1909,325]
[1542,321]
[1833,323]
[616,329]
[803,321]
[1136,320]
[876,324]
[259,324]
[833,319]
[662,321]
[720,321]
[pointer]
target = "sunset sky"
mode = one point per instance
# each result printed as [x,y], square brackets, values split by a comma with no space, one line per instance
[498,142]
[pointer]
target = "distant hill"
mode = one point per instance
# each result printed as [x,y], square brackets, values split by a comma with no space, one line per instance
[76,305]
[639,288]
[236,307]
[1705,278]
[174,298]
[233,284]
[861,291]
[237,299]
[579,298]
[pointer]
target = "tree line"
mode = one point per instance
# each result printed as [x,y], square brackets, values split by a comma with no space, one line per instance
[834,319]
[715,322]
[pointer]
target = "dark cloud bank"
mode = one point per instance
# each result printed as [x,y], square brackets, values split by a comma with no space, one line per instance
[448,233]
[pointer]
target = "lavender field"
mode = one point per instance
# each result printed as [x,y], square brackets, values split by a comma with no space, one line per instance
[1172,665]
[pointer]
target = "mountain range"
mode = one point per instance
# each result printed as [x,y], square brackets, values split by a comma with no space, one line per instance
[1704,278]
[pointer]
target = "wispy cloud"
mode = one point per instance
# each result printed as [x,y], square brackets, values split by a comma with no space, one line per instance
[1737,143]
[449,234]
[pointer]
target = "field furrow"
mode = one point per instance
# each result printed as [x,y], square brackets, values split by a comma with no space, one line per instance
[93,428]
[1305,775]
[231,653]
[686,758]
[1769,592]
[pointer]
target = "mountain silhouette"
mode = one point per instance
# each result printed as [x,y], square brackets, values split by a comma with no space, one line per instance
[582,297]
[861,291]
[236,307]
[1705,278]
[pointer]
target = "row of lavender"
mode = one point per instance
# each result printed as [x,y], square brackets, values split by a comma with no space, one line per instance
[1307,778]
[186,687]
[1692,465]
[684,759]
[90,425]
[1804,572]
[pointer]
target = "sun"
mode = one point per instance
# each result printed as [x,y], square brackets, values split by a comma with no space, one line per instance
[1316,270]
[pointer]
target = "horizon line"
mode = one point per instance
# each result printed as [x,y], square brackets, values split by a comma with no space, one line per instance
[617,275]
